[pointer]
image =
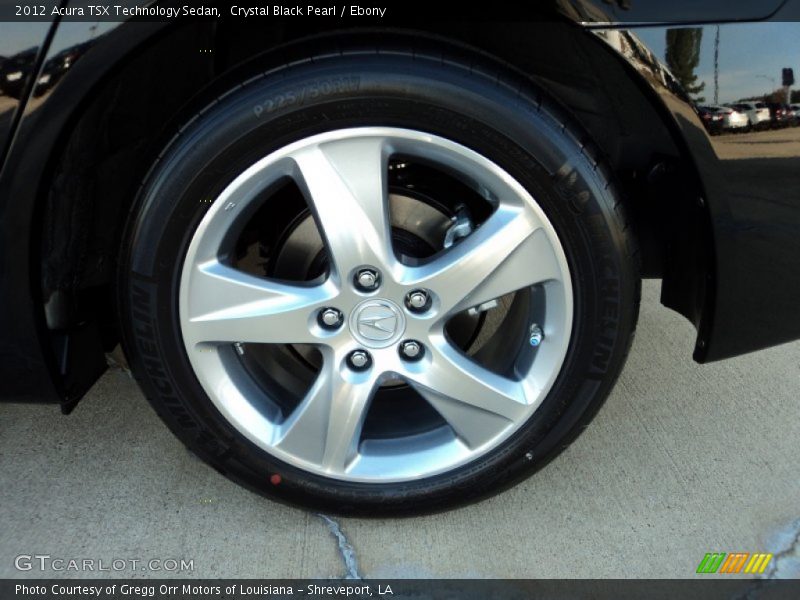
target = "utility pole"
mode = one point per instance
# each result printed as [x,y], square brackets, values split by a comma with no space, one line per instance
[716,68]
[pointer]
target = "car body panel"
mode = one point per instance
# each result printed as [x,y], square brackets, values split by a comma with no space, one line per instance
[751,186]
[600,13]
[26,372]
[751,182]
[37,364]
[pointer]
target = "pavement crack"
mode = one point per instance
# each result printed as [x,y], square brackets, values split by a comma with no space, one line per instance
[346,549]
[788,552]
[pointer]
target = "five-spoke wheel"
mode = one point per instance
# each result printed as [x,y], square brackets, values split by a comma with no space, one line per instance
[374,317]
[378,281]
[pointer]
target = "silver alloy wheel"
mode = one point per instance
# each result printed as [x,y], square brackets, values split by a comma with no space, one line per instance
[343,175]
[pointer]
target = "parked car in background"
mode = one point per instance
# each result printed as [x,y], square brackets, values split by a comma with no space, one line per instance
[55,68]
[781,115]
[732,119]
[795,114]
[712,119]
[12,72]
[758,115]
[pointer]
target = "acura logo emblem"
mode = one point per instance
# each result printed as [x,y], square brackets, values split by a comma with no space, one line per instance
[377,323]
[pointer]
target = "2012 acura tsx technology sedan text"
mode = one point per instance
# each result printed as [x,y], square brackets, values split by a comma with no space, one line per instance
[388,265]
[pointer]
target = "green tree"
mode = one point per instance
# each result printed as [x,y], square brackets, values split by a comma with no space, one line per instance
[683,56]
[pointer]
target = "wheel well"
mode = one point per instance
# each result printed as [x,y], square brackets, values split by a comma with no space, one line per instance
[116,135]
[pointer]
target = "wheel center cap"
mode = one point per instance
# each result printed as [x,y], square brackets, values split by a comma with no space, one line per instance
[377,323]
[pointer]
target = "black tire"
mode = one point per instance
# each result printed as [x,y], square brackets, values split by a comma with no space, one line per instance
[491,110]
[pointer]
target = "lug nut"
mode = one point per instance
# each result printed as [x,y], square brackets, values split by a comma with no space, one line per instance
[368,279]
[537,335]
[418,301]
[330,318]
[411,350]
[359,360]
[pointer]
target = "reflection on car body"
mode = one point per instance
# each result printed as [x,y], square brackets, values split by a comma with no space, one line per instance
[719,119]
[14,71]
[781,114]
[713,120]
[758,114]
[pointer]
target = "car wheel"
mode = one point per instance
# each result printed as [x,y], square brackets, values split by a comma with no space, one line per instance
[378,282]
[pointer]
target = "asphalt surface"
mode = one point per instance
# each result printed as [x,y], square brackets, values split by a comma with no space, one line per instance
[681,461]
[771,143]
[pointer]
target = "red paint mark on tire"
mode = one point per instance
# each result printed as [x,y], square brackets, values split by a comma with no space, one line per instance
[275,479]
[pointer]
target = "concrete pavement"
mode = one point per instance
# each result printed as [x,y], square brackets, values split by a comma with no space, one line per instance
[681,461]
